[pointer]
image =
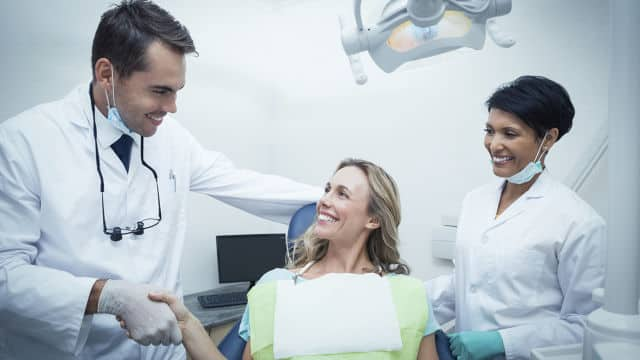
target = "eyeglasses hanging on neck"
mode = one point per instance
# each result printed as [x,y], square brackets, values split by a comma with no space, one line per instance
[116,233]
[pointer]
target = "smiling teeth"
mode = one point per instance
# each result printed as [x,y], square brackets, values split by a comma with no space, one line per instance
[155,118]
[501,159]
[326,218]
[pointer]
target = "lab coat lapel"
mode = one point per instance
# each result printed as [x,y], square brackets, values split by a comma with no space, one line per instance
[522,204]
[517,208]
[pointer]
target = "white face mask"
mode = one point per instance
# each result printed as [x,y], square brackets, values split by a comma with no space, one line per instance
[532,169]
[113,115]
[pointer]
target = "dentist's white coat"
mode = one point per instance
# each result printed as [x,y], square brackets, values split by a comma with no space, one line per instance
[528,273]
[52,248]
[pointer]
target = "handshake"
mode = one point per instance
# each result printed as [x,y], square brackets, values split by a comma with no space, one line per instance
[149,315]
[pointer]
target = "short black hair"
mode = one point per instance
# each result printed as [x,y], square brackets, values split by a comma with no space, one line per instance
[126,31]
[541,103]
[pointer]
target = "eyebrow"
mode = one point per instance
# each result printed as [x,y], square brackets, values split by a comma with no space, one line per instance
[339,187]
[509,127]
[166,88]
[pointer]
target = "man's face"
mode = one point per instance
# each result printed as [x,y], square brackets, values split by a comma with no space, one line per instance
[145,97]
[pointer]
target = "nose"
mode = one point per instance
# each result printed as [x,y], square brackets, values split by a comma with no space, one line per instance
[493,143]
[325,201]
[170,104]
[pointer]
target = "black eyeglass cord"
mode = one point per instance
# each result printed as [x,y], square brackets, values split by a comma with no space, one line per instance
[116,233]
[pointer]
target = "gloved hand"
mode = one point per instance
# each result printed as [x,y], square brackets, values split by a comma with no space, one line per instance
[476,345]
[147,321]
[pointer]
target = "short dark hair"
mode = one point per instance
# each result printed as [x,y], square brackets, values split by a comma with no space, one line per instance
[126,31]
[541,103]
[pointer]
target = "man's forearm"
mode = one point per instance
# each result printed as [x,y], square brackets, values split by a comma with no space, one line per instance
[94,296]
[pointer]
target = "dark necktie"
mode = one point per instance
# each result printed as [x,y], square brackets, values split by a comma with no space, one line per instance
[122,148]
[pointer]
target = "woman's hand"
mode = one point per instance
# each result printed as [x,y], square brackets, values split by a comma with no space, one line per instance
[194,336]
[183,315]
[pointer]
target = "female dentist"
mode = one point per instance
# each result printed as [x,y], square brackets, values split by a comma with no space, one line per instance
[529,251]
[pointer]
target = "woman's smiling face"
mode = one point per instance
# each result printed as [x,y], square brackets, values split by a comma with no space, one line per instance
[510,143]
[343,209]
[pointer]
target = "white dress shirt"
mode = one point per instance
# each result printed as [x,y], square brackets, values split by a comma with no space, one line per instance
[52,246]
[528,273]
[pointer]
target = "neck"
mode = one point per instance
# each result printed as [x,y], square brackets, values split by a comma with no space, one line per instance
[346,259]
[512,192]
[99,98]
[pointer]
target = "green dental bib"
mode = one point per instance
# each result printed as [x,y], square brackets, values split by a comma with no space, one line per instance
[408,295]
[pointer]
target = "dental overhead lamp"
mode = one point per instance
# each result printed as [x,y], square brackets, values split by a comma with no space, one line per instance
[414,29]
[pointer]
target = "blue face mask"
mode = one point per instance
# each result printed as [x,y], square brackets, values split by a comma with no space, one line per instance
[112,112]
[532,169]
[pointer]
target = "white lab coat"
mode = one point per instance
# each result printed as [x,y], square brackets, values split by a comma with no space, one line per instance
[529,273]
[52,247]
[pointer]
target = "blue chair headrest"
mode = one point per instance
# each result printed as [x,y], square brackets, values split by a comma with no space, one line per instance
[300,221]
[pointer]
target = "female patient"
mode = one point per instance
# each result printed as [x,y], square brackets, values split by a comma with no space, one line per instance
[356,232]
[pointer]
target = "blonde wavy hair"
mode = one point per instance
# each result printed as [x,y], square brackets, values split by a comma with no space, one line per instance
[382,244]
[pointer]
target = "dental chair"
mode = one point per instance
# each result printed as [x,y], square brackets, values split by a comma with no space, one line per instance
[232,346]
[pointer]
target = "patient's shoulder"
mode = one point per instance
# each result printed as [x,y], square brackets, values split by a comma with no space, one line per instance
[406,281]
[275,275]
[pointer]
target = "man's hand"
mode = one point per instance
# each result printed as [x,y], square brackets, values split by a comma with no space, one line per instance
[476,345]
[148,322]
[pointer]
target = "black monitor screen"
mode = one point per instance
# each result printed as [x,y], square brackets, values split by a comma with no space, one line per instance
[247,257]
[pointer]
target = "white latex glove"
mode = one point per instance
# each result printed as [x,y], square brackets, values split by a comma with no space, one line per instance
[148,322]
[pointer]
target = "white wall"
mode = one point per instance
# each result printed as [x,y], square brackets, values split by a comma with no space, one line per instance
[425,125]
[273,90]
[225,104]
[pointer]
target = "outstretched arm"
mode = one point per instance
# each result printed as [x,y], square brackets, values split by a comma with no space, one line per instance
[272,197]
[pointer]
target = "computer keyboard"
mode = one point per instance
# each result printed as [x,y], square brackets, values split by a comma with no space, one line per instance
[223,299]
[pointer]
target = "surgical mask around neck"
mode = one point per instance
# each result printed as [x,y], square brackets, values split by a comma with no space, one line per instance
[532,169]
[113,115]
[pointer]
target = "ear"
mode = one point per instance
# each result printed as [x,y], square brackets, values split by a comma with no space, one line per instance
[372,224]
[552,137]
[103,73]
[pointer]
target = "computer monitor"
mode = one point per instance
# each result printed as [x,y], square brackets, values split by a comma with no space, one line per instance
[247,257]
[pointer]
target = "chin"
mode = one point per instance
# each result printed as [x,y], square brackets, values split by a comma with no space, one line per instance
[149,132]
[502,173]
[322,234]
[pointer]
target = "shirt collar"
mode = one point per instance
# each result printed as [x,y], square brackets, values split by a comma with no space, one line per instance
[537,190]
[80,97]
[540,187]
[107,133]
